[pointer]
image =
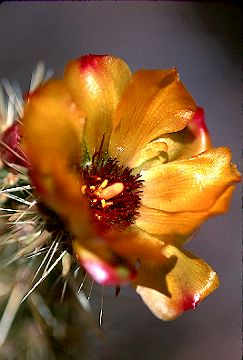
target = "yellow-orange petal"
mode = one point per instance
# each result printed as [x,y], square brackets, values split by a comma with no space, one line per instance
[188,281]
[111,258]
[158,222]
[192,184]
[96,83]
[154,103]
[136,244]
[191,141]
[53,121]
[52,138]
[152,154]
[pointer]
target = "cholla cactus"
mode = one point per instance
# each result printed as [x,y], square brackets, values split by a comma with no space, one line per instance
[105,175]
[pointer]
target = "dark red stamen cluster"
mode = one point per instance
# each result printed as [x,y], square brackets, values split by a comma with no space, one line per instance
[121,210]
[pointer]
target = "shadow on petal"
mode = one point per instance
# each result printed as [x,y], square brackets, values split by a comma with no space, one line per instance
[189,282]
[153,275]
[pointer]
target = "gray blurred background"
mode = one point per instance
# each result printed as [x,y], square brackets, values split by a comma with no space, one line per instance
[203,40]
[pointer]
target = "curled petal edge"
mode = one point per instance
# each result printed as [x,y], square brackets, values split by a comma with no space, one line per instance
[188,283]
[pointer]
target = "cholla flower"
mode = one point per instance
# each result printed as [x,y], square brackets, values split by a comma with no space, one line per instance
[123,174]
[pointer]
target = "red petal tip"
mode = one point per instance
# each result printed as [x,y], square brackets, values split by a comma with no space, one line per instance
[190,302]
[11,152]
[106,274]
[90,61]
[199,119]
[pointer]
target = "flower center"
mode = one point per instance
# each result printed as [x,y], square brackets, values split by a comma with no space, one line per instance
[113,192]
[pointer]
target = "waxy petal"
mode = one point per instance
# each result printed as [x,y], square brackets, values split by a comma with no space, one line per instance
[96,83]
[191,141]
[52,135]
[136,244]
[53,126]
[154,103]
[193,184]
[188,281]
[112,258]
[165,223]
[153,154]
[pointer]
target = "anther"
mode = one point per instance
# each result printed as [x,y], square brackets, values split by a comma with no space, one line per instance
[83,188]
[112,191]
[104,184]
